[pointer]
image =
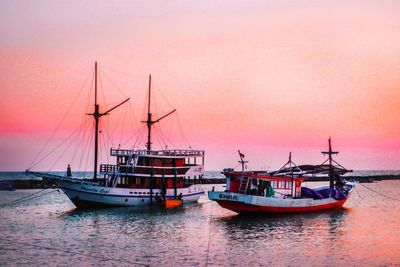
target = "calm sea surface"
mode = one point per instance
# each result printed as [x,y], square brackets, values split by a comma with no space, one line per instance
[49,231]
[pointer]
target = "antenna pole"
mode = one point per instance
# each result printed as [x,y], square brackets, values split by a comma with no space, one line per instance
[331,182]
[149,121]
[242,161]
[96,116]
[331,172]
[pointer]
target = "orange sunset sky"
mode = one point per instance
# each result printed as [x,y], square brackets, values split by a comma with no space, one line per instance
[265,77]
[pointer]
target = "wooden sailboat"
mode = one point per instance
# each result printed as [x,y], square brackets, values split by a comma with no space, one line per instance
[282,191]
[139,177]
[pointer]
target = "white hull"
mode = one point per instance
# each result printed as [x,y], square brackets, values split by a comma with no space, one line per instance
[84,194]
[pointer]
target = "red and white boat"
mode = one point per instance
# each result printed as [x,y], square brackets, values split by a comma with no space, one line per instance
[282,191]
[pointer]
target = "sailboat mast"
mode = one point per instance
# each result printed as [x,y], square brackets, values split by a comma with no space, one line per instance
[149,122]
[331,183]
[96,116]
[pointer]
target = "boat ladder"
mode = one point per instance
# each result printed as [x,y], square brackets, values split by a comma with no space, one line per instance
[243,184]
[112,181]
[115,179]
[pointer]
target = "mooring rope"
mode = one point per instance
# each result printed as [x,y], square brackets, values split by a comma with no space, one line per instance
[379,193]
[26,198]
[76,253]
[358,193]
[15,200]
[209,236]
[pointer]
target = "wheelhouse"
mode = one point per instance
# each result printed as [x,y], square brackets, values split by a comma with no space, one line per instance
[256,183]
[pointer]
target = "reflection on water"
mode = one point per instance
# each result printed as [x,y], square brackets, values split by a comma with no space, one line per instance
[49,230]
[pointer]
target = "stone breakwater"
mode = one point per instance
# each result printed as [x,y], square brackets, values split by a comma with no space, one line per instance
[361,179]
[38,184]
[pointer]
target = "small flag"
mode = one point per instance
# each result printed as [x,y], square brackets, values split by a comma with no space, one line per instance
[240,154]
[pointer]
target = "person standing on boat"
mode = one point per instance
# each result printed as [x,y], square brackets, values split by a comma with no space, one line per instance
[69,173]
[270,190]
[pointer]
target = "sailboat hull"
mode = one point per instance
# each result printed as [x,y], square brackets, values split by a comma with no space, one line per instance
[95,196]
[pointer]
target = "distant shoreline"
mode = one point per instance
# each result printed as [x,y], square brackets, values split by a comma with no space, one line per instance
[361,179]
[39,184]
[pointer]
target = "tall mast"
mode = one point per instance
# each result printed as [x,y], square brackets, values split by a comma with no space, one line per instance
[149,122]
[96,116]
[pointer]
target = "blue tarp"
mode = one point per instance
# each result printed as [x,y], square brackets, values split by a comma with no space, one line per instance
[323,193]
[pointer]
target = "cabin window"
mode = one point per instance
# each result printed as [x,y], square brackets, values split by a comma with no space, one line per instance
[180,162]
[281,184]
[168,162]
[289,185]
[157,162]
[149,161]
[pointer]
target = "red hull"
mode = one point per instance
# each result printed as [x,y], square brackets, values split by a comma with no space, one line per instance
[246,208]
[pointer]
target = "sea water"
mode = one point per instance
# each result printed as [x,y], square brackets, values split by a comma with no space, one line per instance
[49,230]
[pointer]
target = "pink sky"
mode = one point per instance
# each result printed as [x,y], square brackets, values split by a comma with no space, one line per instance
[266,77]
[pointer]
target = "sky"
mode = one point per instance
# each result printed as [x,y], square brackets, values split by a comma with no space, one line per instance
[265,77]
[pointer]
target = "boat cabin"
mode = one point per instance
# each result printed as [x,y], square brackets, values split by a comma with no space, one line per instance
[260,184]
[161,169]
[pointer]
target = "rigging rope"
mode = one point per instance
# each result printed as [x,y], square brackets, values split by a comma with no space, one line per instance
[183,136]
[166,138]
[89,144]
[134,121]
[163,96]
[59,124]
[109,137]
[102,89]
[81,142]
[139,137]
[125,122]
[160,140]
[72,134]
[66,148]
[84,145]
[376,192]
[112,82]
[104,144]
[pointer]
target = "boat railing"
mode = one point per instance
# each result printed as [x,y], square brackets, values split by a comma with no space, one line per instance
[108,168]
[174,153]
